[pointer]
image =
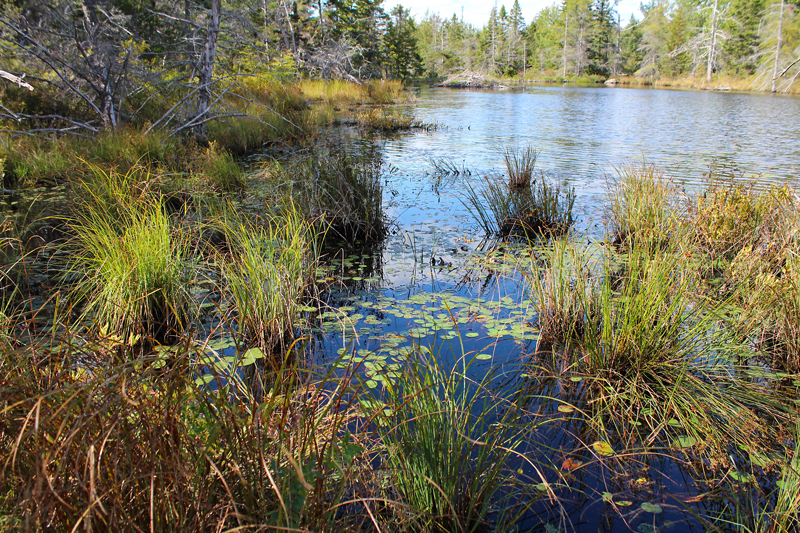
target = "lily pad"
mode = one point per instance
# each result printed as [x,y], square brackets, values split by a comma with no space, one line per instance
[685,441]
[565,408]
[651,508]
[603,448]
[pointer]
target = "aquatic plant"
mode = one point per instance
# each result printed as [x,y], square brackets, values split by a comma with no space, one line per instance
[266,273]
[561,279]
[131,264]
[448,446]
[520,164]
[541,209]
[342,193]
[643,206]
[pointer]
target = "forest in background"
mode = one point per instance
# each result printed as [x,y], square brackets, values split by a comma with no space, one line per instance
[757,39]
[96,64]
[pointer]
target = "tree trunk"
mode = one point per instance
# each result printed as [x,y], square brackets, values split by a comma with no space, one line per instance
[778,49]
[713,47]
[206,70]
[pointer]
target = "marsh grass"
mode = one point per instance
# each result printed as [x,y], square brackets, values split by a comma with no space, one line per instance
[342,193]
[644,205]
[346,92]
[139,445]
[449,446]
[131,262]
[381,120]
[654,351]
[220,169]
[266,273]
[39,161]
[560,276]
[541,209]
[520,164]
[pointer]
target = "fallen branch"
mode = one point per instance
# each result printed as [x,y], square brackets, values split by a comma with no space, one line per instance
[16,79]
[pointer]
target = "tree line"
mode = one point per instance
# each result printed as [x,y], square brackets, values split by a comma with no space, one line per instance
[673,38]
[100,63]
[96,64]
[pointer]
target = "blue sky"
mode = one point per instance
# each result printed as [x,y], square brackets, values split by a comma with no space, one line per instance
[477,13]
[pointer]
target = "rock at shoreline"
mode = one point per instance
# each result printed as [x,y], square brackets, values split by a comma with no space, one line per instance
[611,81]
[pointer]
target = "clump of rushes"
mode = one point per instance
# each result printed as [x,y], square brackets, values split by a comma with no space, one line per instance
[520,164]
[654,352]
[643,206]
[449,442]
[218,166]
[378,119]
[132,264]
[266,274]
[342,193]
[540,209]
[561,279]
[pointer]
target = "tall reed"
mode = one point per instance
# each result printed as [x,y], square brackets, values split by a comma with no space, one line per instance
[520,165]
[644,206]
[266,274]
[540,209]
[131,261]
[449,447]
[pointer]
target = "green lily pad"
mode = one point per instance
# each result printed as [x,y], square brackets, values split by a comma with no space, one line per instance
[603,448]
[685,441]
[651,508]
[565,409]
[483,356]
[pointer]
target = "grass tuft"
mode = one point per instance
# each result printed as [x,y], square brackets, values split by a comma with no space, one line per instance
[520,165]
[541,209]
[266,275]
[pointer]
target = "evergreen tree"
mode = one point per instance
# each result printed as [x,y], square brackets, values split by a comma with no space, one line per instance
[401,57]
[740,51]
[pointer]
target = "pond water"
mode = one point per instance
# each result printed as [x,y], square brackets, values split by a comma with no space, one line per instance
[437,282]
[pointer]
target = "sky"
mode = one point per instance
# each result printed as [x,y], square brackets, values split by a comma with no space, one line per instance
[477,13]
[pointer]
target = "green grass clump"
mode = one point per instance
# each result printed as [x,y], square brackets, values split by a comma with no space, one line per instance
[561,281]
[449,444]
[541,209]
[220,169]
[388,121]
[520,165]
[342,193]
[643,206]
[132,262]
[266,274]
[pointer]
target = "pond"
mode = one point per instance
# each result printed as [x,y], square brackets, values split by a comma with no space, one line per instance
[437,282]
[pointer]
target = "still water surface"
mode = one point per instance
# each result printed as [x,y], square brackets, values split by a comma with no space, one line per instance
[433,269]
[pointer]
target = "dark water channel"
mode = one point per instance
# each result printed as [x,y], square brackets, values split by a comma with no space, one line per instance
[436,282]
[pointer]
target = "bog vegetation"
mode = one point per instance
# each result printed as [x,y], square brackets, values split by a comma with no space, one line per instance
[159,292]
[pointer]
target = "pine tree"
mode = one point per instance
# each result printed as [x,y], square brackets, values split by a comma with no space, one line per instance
[401,57]
[740,51]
